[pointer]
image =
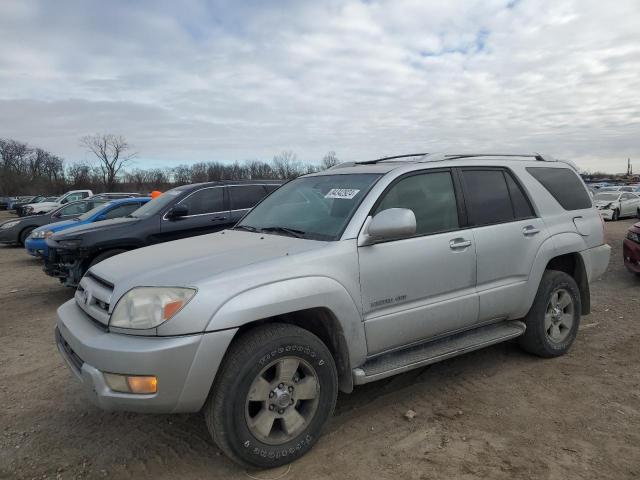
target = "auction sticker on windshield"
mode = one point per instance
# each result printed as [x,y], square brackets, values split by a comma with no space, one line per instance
[345,193]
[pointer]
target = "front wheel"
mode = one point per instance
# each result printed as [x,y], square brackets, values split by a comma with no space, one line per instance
[552,323]
[25,234]
[274,392]
[616,215]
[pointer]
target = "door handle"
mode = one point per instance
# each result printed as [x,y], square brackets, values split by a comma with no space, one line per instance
[530,230]
[457,243]
[218,218]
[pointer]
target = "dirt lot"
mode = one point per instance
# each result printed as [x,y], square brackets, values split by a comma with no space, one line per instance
[497,413]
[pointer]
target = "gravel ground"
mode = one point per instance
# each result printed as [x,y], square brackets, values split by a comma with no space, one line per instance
[497,413]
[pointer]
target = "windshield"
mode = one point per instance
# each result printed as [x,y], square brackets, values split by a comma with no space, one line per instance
[92,212]
[607,197]
[317,207]
[157,204]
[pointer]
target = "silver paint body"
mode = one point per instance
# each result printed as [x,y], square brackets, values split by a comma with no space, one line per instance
[435,285]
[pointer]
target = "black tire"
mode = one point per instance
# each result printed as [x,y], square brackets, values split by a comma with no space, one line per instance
[22,238]
[228,410]
[616,215]
[104,255]
[536,339]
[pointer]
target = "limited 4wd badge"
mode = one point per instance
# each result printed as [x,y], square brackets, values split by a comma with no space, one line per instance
[345,193]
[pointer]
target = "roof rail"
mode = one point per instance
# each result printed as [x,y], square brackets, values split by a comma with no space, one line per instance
[369,162]
[439,157]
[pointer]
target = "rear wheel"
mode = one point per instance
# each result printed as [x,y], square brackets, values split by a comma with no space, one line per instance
[24,234]
[554,318]
[272,396]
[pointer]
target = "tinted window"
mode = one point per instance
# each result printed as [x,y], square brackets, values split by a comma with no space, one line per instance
[564,185]
[245,196]
[487,197]
[121,211]
[521,206]
[430,196]
[270,188]
[207,200]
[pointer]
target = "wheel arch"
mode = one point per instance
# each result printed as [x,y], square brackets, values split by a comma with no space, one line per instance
[562,252]
[318,304]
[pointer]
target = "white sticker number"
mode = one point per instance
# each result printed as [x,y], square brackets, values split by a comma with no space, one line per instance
[345,193]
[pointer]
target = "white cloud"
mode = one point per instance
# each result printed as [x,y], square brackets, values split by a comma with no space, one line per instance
[187,81]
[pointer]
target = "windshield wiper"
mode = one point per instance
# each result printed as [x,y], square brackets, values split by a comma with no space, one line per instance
[292,232]
[248,228]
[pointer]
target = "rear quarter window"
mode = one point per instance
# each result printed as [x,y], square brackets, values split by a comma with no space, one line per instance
[564,185]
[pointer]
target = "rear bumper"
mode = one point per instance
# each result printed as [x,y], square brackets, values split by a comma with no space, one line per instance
[631,255]
[596,261]
[185,366]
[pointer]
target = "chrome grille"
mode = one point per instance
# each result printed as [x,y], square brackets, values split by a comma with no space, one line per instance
[94,297]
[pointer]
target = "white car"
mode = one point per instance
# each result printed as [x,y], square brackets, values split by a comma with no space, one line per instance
[44,207]
[615,205]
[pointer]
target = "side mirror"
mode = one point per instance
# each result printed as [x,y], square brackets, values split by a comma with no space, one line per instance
[177,212]
[389,224]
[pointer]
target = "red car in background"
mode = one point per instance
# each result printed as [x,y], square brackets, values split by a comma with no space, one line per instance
[631,249]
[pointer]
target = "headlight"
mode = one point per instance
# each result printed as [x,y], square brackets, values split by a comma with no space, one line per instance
[633,236]
[70,243]
[148,307]
[10,224]
[41,234]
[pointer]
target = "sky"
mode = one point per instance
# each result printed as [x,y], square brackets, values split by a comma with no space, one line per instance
[187,81]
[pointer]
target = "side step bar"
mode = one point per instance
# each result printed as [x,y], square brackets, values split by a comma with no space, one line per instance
[427,353]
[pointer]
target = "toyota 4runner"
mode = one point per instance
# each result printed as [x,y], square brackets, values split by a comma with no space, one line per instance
[337,279]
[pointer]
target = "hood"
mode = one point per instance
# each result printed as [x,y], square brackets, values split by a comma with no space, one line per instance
[186,262]
[94,227]
[43,205]
[602,203]
[57,226]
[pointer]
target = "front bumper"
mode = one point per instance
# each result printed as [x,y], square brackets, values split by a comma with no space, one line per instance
[631,255]
[37,247]
[606,214]
[184,365]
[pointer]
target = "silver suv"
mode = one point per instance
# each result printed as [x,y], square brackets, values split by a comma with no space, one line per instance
[337,279]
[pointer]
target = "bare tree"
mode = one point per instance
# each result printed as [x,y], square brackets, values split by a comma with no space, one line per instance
[286,165]
[113,153]
[329,160]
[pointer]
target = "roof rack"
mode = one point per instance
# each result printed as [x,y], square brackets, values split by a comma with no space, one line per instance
[439,157]
[383,159]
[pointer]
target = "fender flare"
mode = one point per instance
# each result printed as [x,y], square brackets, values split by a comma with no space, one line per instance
[291,295]
[554,246]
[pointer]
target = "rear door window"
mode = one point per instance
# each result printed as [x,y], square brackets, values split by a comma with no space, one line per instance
[564,185]
[206,200]
[245,196]
[487,197]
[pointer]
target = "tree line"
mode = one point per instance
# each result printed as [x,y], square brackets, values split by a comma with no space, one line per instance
[27,170]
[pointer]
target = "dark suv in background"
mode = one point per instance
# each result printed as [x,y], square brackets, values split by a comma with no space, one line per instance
[182,212]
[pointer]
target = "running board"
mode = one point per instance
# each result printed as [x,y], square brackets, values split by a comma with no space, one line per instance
[435,351]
